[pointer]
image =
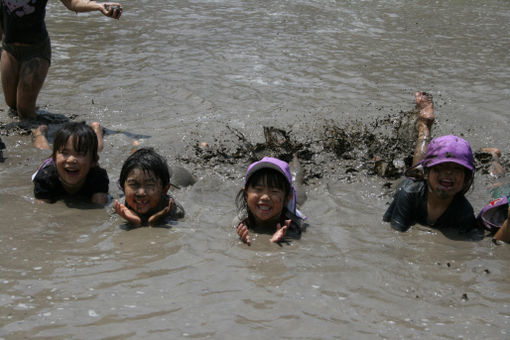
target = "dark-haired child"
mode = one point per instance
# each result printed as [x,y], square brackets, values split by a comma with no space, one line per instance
[442,172]
[267,202]
[72,171]
[145,180]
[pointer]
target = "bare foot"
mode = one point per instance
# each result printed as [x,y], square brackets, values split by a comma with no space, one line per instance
[39,134]
[496,170]
[425,104]
[98,129]
[136,144]
[493,151]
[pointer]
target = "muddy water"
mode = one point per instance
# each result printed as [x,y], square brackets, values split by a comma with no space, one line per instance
[174,74]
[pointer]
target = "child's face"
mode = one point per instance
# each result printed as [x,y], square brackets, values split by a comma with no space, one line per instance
[144,191]
[265,203]
[72,166]
[445,180]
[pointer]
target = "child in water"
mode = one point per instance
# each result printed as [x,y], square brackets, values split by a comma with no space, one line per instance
[72,171]
[435,196]
[495,215]
[267,202]
[145,180]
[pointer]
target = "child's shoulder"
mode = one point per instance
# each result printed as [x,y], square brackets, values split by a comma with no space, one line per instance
[412,186]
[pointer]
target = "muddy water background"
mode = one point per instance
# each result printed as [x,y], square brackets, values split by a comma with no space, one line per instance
[177,72]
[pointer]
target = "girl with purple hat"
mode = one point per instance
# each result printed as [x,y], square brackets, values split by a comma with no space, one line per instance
[442,172]
[267,202]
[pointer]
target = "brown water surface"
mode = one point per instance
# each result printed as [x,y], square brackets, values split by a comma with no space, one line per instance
[174,73]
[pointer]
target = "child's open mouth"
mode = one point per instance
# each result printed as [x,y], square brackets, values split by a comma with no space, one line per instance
[446,183]
[264,207]
[72,172]
[141,204]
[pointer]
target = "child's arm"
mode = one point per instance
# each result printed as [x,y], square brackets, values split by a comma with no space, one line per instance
[127,214]
[503,233]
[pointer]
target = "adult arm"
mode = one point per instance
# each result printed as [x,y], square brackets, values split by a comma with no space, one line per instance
[90,6]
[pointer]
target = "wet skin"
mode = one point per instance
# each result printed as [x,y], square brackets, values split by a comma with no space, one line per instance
[445,180]
[266,204]
[72,166]
[145,196]
[143,191]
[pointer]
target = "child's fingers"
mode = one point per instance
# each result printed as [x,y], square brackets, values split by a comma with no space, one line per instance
[242,231]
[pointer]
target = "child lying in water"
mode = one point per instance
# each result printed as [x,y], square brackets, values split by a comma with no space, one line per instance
[73,170]
[435,196]
[145,180]
[267,202]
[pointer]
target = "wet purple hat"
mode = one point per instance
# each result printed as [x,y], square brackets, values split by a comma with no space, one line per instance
[493,215]
[278,165]
[449,149]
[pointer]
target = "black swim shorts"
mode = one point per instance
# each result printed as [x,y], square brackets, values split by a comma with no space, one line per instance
[23,53]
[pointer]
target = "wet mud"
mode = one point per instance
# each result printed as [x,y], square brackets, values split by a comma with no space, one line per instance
[346,151]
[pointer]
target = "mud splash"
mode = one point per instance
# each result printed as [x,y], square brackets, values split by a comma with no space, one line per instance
[346,152]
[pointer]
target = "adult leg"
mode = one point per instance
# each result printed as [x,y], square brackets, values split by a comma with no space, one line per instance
[31,78]
[9,67]
[424,123]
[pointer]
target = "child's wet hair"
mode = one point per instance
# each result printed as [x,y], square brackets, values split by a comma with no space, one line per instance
[147,160]
[270,177]
[83,136]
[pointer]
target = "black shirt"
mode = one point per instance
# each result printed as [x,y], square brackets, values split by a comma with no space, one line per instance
[23,21]
[409,206]
[47,184]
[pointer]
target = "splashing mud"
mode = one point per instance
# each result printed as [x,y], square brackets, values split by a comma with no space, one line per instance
[345,152]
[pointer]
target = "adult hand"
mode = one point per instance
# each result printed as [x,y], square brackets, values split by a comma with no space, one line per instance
[112,10]
[280,231]
[242,231]
[127,214]
[154,218]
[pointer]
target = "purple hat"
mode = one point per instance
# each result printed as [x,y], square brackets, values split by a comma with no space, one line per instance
[449,149]
[278,165]
[492,215]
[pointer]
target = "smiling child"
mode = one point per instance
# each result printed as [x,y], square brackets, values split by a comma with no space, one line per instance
[433,192]
[267,202]
[72,171]
[145,180]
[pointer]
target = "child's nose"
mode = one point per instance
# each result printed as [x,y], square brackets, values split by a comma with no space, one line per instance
[72,159]
[140,191]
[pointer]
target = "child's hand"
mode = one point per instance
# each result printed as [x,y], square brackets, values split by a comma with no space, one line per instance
[242,231]
[127,214]
[280,231]
[112,10]
[154,218]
